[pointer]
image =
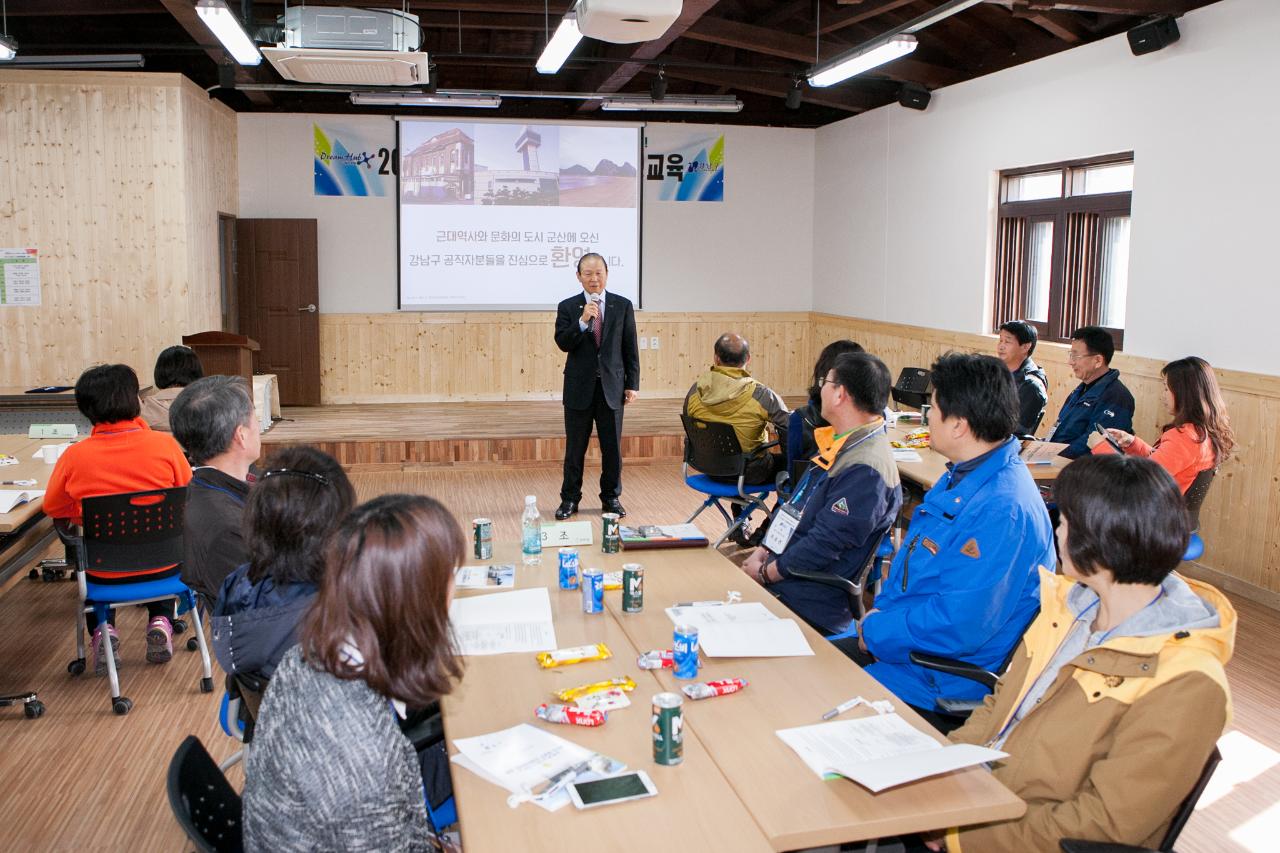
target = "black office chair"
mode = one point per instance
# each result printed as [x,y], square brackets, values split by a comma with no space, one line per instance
[871,571]
[1180,818]
[913,387]
[713,450]
[206,806]
[238,711]
[1196,493]
[129,533]
[962,708]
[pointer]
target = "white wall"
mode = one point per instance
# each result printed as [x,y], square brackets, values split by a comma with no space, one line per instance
[750,252]
[904,200]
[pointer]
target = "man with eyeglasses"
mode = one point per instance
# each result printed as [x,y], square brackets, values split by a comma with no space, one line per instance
[1099,400]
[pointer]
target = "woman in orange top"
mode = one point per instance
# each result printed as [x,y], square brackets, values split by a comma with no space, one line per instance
[1200,435]
[122,454]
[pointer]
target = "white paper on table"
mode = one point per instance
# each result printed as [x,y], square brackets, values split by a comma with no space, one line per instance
[477,577]
[682,531]
[503,622]
[706,615]
[905,454]
[10,498]
[1042,452]
[520,758]
[879,751]
[776,638]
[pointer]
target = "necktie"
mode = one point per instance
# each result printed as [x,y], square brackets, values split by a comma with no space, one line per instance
[597,329]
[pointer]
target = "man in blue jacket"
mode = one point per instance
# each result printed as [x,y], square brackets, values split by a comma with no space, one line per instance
[1099,400]
[844,502]
[964,584]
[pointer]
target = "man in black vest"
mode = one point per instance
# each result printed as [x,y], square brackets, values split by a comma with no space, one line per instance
[601,375]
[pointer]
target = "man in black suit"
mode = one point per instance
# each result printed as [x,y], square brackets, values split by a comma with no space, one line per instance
[601,375]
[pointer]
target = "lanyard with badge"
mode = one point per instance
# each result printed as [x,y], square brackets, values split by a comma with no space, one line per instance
[787,518]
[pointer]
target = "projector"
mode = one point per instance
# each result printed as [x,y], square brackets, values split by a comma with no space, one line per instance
[626,21]
[335,45]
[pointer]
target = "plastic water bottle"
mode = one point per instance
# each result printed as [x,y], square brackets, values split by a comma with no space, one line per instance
[531,532]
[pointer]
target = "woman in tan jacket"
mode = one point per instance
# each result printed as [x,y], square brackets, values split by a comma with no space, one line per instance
[1117,694]
[176,368]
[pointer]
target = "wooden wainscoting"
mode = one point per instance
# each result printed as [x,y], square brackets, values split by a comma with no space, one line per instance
[1240,520]
[456,356]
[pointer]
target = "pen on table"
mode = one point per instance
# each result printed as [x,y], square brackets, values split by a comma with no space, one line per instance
[698,603]
[17,482]
[842,707]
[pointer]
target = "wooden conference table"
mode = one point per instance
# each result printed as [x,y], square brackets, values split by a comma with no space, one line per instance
[27,469]
[933,465]
[740,787]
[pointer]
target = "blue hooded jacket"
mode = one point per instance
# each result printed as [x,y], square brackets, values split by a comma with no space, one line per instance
[964,584]
[254,624]
[1106,402]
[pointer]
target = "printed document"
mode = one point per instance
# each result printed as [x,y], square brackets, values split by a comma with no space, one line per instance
[503,622]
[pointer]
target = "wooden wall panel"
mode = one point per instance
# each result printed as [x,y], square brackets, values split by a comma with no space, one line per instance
[113,177]
[1240,520]
[411,357]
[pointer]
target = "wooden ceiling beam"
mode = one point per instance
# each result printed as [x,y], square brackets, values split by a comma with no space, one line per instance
[1115,7]
[446,20]
[848,99]
[1062,25]
[81,8]
[831,23]
[184,12]
[613,81]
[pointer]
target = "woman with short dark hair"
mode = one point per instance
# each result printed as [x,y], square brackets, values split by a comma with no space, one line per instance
[1199,437]
[176,368]
[122,454]
[298,501]
[1117,693]
[329,768]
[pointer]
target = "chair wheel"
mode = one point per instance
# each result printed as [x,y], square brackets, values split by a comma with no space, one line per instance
[76,667]
[33,709]
[206,685]
[179,625]
[192,644]
[33,575]
[121,705]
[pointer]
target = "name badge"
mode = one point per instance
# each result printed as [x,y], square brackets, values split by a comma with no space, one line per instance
[784,524]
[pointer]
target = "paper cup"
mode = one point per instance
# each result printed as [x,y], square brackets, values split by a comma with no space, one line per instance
[49,453]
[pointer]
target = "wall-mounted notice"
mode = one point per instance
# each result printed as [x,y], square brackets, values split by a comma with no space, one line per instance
[19,277]
[353,160]
[690,168]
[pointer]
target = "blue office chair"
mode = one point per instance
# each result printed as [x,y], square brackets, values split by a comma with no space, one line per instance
[1196,493]
[129,533]
[870,575]
[713,450]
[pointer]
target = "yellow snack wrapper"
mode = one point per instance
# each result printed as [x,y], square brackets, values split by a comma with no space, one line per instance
[574,654]
[571,693]
[613,580]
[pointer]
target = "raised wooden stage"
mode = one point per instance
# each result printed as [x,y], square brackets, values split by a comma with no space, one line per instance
[408,435]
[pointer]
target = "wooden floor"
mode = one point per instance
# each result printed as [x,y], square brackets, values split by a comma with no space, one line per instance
[82,778]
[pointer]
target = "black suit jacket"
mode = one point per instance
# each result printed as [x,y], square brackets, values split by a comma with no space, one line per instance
[618,358]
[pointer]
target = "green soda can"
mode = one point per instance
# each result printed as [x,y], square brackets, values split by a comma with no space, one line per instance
[610,535]
[482,538]
[668,728]
[632,588]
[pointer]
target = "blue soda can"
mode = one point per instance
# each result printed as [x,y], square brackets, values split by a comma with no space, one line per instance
[684,651]
[593,591]
[569,568]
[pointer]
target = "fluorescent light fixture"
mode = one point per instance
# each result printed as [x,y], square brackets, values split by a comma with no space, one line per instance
[8,47]
[562,43]
[854,62]
[707,103]
[86,60]
[400,99]
[224,24]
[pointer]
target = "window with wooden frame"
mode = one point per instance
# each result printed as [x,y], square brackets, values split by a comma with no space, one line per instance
[1062,246]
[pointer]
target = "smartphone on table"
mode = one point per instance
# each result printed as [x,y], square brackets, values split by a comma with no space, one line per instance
[613,789]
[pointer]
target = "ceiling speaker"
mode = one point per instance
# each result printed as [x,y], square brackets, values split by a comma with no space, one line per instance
[1153,35]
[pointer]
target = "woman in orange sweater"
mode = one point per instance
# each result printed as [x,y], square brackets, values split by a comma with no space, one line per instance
[1199,437]
[121,455]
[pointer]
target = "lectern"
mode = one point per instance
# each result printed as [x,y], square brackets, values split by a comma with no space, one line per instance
[224,353]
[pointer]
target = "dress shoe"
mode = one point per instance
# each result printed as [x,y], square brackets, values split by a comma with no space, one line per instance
[566,509]
[613,505]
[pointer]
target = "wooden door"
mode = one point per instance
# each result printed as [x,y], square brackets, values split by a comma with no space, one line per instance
[279,292]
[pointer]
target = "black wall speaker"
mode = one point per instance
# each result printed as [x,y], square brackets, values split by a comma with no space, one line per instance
[1153,35]
[913,96]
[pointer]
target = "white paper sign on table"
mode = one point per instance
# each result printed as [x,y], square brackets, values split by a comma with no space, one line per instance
[485,577]
[520,758]
[774,638]
[704,616]
[503,622]
[879,752]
